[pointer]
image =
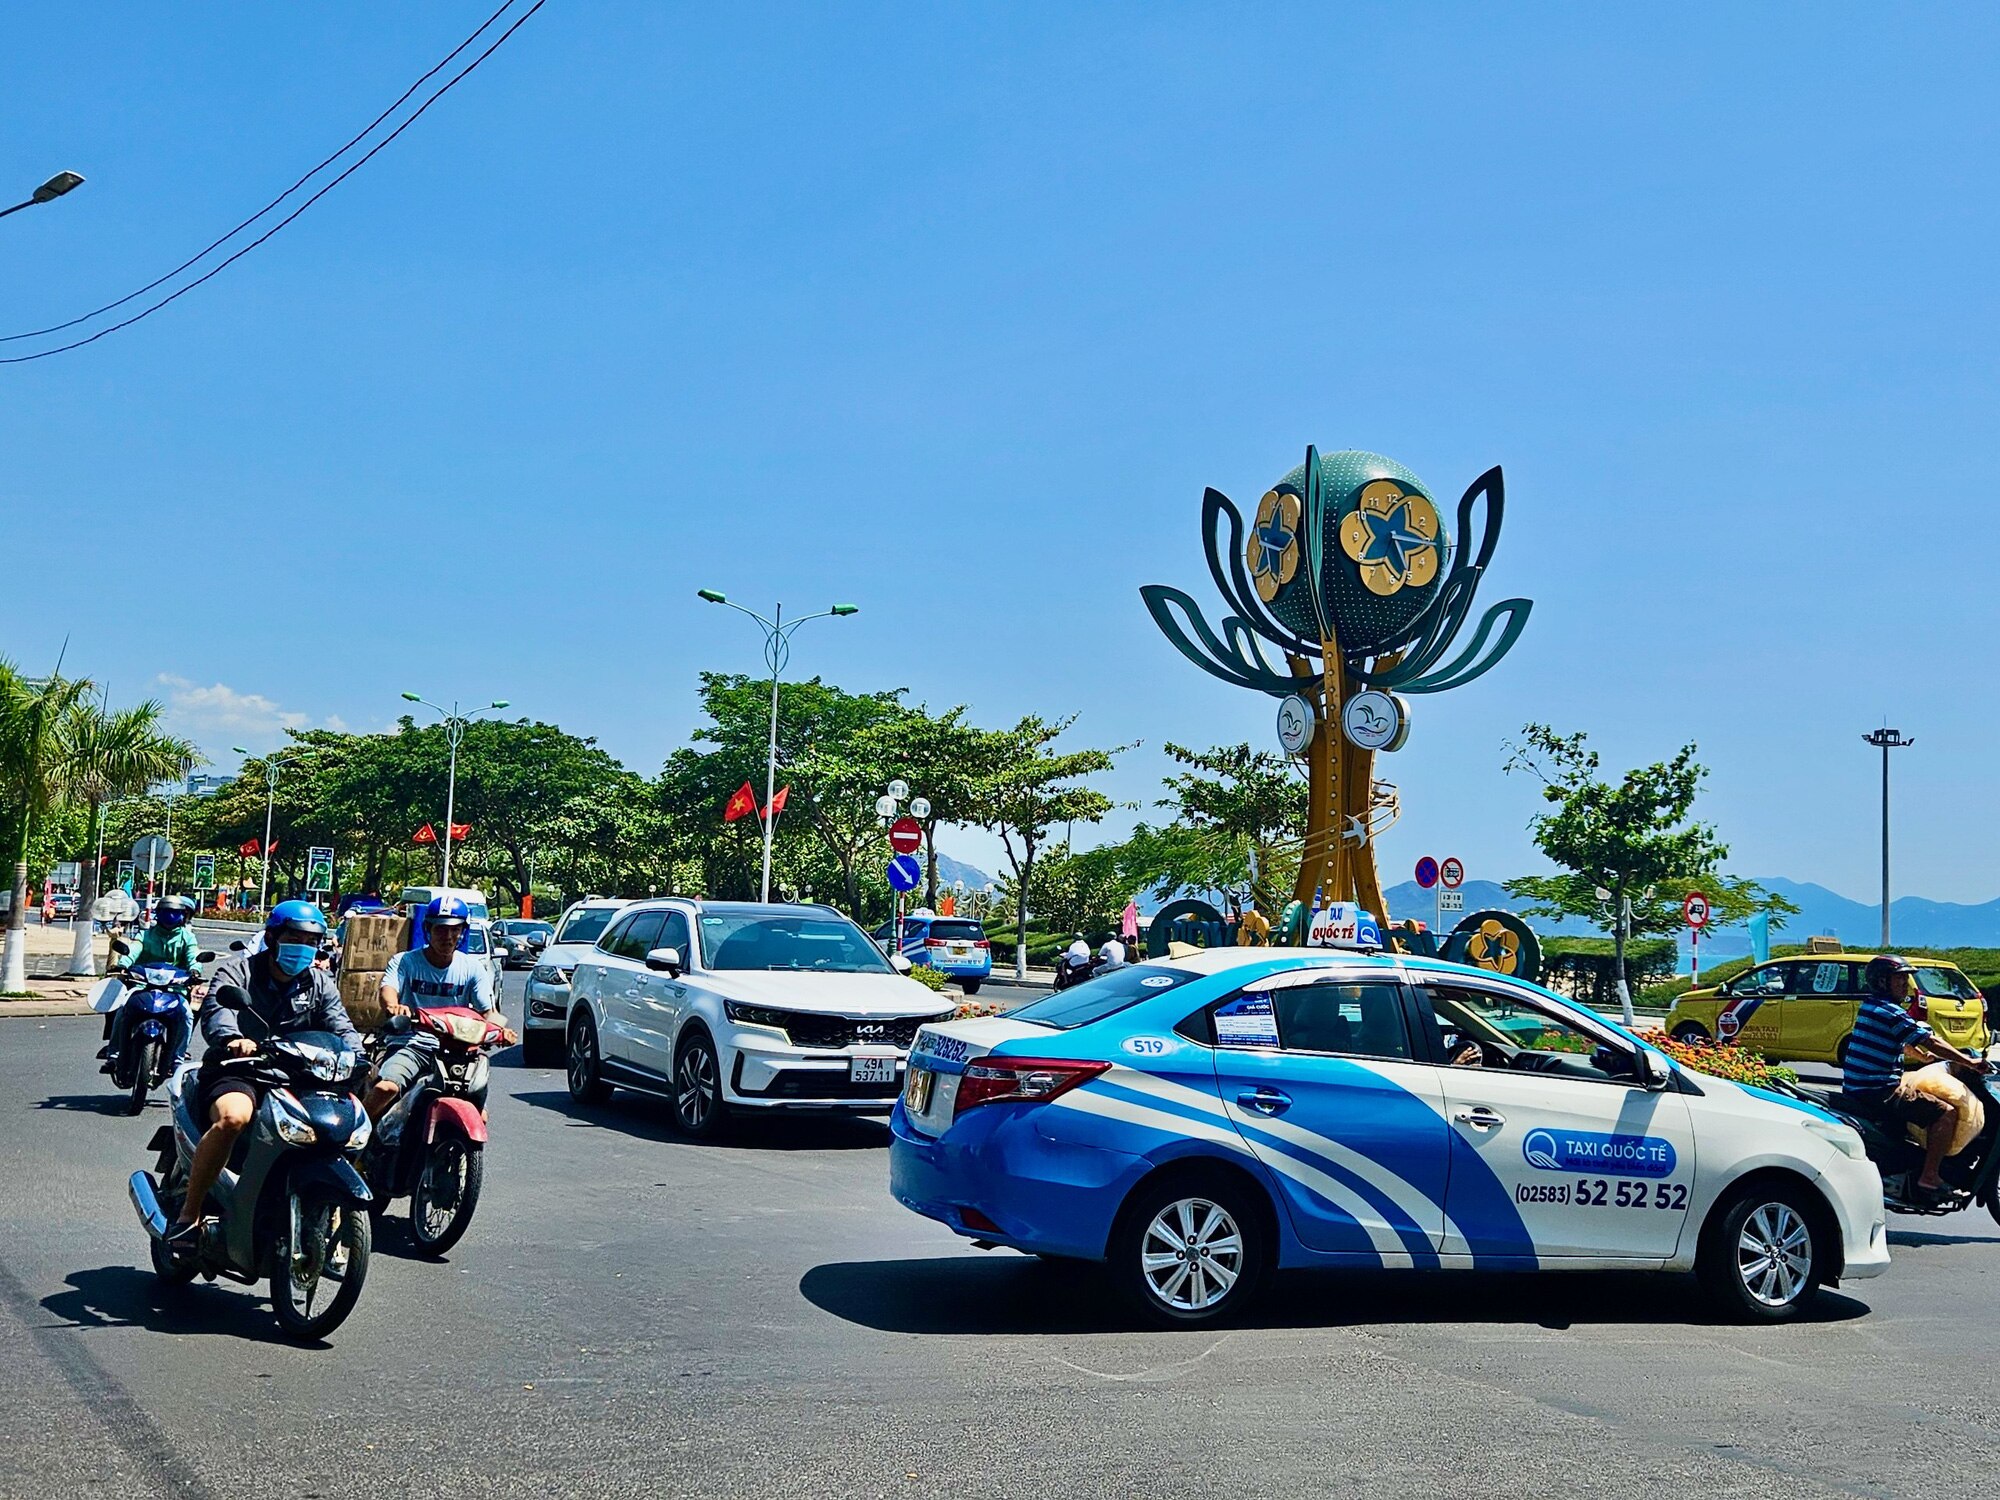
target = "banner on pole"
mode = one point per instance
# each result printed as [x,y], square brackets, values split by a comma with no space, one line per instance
[204,872]
[319,869]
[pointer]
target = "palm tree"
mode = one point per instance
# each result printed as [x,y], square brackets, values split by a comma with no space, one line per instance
[31,768]
[105,756]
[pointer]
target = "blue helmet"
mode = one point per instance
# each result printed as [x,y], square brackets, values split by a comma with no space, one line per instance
[446,909]
[297,914]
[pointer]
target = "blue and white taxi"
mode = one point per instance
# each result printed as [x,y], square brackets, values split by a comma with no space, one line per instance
[1197,1121]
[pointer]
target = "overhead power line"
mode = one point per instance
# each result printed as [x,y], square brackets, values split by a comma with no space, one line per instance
[176,295]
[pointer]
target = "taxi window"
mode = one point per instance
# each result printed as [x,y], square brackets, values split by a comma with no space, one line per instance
[1500,1030]
[1945,983]
[1105,995]
[1357,1020]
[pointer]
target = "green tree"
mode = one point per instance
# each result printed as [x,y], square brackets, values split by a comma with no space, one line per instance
[32,770]
[111,755]
[1029,789]
[1635,838]
[949,763]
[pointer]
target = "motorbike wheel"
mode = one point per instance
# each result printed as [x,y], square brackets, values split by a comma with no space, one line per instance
[318,1278]
[144,1065]
[446,1194]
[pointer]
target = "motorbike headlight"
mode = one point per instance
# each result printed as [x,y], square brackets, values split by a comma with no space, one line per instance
[295,1132]
[1843,1138]
[364,1130]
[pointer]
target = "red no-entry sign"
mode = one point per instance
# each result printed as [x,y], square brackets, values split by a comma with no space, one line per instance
[906,835]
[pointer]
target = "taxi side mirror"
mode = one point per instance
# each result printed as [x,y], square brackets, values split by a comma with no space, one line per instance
[1654,1074]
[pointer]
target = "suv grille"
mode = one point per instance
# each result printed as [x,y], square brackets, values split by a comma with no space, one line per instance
[807,1030]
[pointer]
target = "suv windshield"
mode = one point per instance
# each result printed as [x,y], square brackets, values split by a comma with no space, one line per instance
[588,925]
[1105,995]
[763,937]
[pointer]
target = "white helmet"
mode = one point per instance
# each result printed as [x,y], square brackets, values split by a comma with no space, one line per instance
[1080,951]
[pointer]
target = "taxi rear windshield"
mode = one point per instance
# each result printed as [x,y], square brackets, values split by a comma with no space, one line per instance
[948,931]
[1103,996]
[1945,984]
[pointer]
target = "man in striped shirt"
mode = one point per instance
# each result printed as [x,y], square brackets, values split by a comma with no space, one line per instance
[1872,1073]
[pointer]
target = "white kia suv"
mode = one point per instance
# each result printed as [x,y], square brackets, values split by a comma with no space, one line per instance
[726,1005]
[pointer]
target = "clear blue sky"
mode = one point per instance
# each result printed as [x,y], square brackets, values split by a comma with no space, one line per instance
[953,311]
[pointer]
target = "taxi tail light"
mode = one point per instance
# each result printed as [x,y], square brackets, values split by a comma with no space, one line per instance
[1021,1080]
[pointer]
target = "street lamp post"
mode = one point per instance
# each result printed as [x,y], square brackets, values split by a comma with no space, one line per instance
[454,731]
[777,652]
[48,192]
[271,764]
[1886,740]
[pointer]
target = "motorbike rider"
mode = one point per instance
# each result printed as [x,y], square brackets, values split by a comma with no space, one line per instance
[169,940]
[283,989]
[1110,956]
[1872,1073]
[435,974]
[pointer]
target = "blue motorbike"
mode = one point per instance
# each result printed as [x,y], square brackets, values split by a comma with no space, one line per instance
[156,1023]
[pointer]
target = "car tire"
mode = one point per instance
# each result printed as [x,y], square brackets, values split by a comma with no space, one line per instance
[1689,1034]
[542,1048]
[586,1075]
[1210,1214]
[1762,1253]
[970,986]
[697,1086]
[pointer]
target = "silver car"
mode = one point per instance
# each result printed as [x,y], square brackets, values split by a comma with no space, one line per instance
[547,991]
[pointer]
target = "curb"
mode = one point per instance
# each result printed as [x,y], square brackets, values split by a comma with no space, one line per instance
[42,1009]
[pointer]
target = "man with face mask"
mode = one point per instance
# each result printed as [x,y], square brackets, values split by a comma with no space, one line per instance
[170,940]
[272,992]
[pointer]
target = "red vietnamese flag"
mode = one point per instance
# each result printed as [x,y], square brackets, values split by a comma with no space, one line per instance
[459,831]
[424,835]
[742,804]
[777,803]
[248,848]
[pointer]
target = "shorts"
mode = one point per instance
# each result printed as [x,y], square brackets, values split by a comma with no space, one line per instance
[406,1065]
[1900,1108]
[208,1090]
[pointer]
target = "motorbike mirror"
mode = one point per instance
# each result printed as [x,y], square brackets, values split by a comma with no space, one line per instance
[239,946]
[119,945]
[666,959]
[204,957]
[900,964]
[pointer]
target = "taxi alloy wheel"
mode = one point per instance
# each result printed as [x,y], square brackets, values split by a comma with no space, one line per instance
[1690,1033]
[1762,1258]
[1190,1252]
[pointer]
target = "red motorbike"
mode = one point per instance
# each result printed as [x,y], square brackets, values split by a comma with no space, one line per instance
[431,1147]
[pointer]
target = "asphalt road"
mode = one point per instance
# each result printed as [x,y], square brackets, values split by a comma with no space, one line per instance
[635,1315]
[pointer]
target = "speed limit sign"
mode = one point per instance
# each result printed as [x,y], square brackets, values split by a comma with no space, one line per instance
[1695,909]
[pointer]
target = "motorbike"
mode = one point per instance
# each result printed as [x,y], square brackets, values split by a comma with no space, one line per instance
[431,1146]
[1973,1174]
[290,1205]
[158,1023]
[1073,968]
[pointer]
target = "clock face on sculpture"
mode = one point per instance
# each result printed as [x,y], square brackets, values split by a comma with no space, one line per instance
[1376,558]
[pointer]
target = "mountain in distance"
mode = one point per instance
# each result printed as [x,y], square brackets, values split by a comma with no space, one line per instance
[1914,920]
[950,869]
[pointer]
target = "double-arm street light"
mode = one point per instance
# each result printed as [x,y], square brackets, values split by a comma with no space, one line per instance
[777,652]
[48,192]
[271,763]
[454,731]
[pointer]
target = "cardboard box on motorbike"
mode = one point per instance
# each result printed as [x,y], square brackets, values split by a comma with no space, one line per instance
[371,941]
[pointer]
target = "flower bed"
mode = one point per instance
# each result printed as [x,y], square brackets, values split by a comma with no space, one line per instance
[1733,1063]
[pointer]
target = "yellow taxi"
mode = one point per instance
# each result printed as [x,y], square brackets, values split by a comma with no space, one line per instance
[1802,1009]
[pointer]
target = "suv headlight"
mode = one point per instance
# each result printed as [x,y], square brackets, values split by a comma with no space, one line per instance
[1843,1138]
[755,1015]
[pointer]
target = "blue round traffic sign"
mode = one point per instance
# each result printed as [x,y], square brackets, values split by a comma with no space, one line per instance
[905,873]
[1427,872]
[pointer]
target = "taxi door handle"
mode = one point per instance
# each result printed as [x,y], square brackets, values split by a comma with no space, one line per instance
[1479,1117]
[1265,1101]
